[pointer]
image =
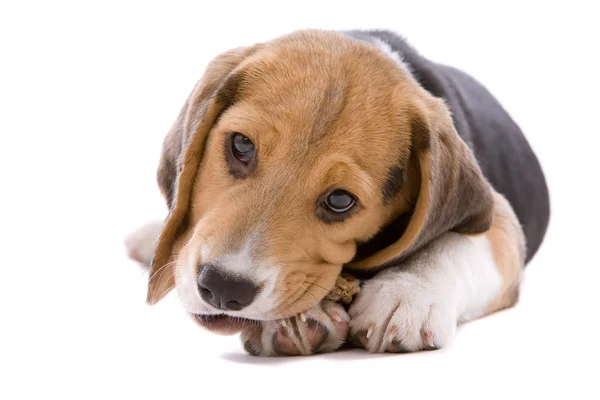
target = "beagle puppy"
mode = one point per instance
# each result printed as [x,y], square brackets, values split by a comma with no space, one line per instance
[317,152]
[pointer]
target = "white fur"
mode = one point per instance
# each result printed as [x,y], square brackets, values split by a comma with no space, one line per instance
[387,49]
[186,281]
[419,304]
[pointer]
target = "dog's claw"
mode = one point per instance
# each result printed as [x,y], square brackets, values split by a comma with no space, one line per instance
[337,317]
[427,338]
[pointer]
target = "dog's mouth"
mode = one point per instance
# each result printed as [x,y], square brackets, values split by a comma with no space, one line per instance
[221,323]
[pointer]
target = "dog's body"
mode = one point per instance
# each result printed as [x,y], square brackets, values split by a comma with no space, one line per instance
[415,193]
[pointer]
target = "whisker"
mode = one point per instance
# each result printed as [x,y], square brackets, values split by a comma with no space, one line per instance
[162,269]
[313,296]
[322,287]
[288,300]
[148,267]
[321,312]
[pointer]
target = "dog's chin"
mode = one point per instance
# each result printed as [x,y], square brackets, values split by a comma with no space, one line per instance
[221,323]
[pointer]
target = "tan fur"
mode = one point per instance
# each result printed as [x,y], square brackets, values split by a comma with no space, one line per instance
[323,111]
[508,245]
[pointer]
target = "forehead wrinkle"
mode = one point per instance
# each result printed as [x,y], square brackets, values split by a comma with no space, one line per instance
[350,173]
[365,182]
[249,118]
[330,108]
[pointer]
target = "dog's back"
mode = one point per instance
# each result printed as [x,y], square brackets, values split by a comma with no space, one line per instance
[500,147]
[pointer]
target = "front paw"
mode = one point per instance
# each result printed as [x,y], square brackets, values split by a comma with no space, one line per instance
[319,330]
[402,312]
[141,243]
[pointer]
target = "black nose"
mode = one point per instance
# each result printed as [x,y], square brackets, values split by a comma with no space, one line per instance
[225,292]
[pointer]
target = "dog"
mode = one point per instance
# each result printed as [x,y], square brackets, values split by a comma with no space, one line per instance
[318,152]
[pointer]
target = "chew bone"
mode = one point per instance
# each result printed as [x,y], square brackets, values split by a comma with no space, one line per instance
[346,287]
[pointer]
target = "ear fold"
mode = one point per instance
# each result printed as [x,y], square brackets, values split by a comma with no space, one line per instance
[453,194]
[182,151]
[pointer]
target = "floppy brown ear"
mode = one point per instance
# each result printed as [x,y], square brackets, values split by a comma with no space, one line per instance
[453,193]
[182,151]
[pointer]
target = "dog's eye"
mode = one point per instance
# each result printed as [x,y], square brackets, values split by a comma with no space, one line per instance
[242,147]
[340,201]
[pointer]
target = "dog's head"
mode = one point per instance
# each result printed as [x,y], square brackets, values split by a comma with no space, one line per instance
[294,158]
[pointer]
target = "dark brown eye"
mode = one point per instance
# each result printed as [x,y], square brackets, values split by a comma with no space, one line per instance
[340,201]
[242,147]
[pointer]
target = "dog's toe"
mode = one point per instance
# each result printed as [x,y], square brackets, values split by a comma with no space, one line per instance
[321,329]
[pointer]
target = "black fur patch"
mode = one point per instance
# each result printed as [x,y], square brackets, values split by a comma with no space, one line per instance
[384,238]
[229,90]
[393,183]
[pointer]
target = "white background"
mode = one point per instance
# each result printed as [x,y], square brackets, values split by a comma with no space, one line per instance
[87,92]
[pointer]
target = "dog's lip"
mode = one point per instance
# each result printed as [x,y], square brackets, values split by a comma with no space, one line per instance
[221,323]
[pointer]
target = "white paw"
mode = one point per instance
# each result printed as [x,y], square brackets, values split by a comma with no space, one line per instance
[401,311]
[141,243]
[318,330]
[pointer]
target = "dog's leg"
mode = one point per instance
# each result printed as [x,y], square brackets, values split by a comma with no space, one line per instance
[319,330]
[455,279]
[141,243]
